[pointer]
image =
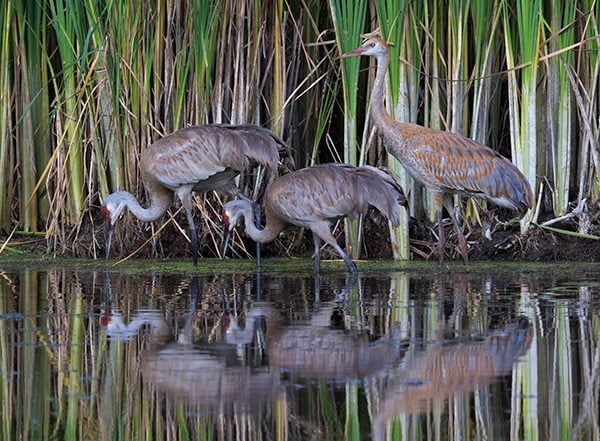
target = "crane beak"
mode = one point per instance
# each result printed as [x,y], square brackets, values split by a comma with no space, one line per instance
[353,53]
[225,240]
[226,235]
[108,233]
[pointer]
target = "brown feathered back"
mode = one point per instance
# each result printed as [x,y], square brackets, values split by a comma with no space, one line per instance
[451,163]
[333,191]
[194,154]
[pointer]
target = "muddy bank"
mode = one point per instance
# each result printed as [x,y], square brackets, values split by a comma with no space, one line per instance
[506,242]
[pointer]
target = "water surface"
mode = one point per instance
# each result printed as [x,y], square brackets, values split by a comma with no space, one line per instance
[466,353]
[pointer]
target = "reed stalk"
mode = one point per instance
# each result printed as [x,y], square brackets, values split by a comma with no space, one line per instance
[586,93]
[279,71]
[7,390]
[433,65]
[29,289]
[25,127]
[68,21]
[86,86]
[74,385]
[457,60]
[348,17]
[6,19]
[329,414]
[560,101]
[522,41]
[352,424]
[485,19]
[563,373]
[397,25]
[526,378]
[205,19]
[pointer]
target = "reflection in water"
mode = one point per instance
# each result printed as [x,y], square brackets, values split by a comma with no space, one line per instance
[322,347]
[444,370]
[411,356]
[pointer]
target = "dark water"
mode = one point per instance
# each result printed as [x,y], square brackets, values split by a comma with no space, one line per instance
[510,353]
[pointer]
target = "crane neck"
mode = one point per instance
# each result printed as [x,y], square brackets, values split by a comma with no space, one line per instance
[267,234]
[159,203]
[381,117]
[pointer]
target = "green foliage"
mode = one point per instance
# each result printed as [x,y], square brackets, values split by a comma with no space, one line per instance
[86,86]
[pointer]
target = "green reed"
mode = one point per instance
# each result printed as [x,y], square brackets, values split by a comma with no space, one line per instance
[348,17]
[70,29]
[398,26]
[86,86]
[584,82]
[563,374]
[485,20]
[432,65]
[7,392]
[522,32]
[6,21]
[560,100]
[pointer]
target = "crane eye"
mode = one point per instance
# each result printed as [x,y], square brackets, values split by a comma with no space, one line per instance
[372,45]
[225,218]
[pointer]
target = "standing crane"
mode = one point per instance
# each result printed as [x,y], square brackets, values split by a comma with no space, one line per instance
[444,162]
[200,159]
[314,197]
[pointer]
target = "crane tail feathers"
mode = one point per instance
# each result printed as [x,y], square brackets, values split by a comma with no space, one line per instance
[380,190]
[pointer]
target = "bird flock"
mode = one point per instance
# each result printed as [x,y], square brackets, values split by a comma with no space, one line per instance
[211,157]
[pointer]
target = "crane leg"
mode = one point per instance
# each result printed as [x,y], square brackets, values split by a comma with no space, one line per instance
[438,201]
[185,196]
[351,265]
[441,237]
[317,241]
[462,242]
[324,233]
[193,235]
[257,218]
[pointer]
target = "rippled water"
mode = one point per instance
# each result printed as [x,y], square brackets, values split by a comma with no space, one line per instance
[466,353]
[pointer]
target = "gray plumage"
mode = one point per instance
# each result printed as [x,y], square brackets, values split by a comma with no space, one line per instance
[194,159]
[316,196]
[444,162]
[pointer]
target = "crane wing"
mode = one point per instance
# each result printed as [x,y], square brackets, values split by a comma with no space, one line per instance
[333,191]
[195,154]
[449,162]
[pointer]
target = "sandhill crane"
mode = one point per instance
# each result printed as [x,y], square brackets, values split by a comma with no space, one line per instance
[315,196]
[444,162]
[201,158]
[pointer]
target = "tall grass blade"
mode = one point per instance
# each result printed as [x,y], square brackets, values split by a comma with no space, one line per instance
[26,125]
[589,58]
[6,18]
[352,425]
[522,36]
[68,21]
[398,24]
[560,102]
[562,373]
[74,386]
[485,19]
[348,17]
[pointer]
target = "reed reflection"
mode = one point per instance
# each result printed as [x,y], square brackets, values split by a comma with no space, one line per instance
[332,341]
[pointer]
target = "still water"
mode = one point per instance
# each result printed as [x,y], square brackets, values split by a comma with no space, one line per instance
[463,353]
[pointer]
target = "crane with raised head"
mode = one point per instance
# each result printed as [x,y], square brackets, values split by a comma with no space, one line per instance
[194,159]
[313,198]
[444,162]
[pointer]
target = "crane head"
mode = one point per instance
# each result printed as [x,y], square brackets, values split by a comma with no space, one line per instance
[111,209]
[373,46]
[231,215]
